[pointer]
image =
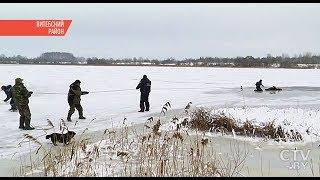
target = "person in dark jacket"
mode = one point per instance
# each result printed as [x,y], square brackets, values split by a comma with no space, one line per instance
[258,84]
[145,88]
[8,91]
[74,98]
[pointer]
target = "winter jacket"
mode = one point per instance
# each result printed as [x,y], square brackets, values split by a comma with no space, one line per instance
[74,95]
[144,85]
[20,94]
[8,91]
[258,84]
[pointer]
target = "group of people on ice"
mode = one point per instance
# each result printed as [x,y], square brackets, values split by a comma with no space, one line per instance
[19,96]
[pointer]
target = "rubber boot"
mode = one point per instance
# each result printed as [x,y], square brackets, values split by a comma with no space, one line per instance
[81,115]
[21,125]
[27,122]
[147,105]
[141,106]
[69,117]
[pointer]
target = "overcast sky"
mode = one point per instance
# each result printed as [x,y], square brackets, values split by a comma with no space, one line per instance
[170,30]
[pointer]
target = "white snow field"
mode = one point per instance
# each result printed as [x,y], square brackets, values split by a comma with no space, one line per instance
[113,96]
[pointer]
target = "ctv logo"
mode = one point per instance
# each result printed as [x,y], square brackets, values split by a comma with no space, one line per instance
[297,159]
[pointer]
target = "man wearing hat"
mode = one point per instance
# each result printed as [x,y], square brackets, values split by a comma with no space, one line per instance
[20,96]
[74,98]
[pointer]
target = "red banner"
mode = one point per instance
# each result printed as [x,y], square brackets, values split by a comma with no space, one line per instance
[34,27]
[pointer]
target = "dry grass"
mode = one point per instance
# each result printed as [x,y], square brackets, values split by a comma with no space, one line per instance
[203,120]
[129,152]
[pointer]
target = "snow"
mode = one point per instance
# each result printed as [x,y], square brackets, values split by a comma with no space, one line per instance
[113,96]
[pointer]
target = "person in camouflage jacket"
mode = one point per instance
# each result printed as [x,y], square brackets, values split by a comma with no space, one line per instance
[20,96]
[74,98]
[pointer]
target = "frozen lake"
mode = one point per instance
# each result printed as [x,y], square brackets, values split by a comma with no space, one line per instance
[113,95]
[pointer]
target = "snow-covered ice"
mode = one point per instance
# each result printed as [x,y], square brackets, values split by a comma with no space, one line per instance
[113,95]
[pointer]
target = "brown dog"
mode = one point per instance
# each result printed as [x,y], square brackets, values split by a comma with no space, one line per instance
[61,138]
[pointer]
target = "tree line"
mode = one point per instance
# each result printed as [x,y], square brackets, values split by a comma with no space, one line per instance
[306,60]
[302,61]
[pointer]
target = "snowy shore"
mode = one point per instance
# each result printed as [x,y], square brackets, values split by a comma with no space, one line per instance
[263,156]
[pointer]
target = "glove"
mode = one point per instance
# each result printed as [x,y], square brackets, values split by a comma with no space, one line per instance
[85,92]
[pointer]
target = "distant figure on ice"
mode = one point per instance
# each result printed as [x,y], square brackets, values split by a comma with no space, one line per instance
[145,88]
[273,88]
[8,91]
[258,84]
[20,96]
[74,98]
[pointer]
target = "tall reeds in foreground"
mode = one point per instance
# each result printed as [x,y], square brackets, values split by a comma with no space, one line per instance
[139,151]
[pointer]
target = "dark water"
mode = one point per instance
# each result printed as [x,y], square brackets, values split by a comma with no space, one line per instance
[293,96]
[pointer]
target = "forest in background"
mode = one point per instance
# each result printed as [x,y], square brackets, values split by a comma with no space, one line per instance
[306,60]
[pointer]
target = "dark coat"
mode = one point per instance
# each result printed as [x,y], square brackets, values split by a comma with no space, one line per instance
[8,91]
[74,94]
[144,86]
[259,83]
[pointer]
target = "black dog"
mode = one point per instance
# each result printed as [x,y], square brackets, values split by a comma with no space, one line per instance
[61,138]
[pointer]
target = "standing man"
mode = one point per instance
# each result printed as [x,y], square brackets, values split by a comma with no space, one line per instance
[8,91]
[20,96]
[258,84]
[145,88]
[74,98]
